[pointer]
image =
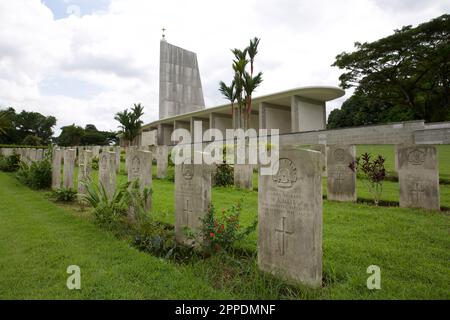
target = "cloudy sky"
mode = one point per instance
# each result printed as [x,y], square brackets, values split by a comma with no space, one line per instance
[84,60]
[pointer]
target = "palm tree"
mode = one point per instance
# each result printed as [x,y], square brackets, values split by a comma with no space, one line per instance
[5,122]
[229,93]
[130,123]
[252,51]
[244,84]
[250,84]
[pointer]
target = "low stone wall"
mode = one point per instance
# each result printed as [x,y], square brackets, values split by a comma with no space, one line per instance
[392,133]
[432,136]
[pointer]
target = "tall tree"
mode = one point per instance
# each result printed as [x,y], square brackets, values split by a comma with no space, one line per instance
[130,122]
[408,70]
[70,136]
[28,124]
[239,93]
[5,122]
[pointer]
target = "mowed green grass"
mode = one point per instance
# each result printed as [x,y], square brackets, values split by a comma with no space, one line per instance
[39,239]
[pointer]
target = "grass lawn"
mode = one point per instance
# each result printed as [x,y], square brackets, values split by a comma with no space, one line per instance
[39,239]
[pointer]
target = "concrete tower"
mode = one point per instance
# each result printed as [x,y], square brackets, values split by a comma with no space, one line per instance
[180,87]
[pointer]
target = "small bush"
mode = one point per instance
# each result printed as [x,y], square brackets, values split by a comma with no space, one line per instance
[374,171]
[158,238]
[64,195]
[10,163]
[37,176]
[95,163]
[222,232]
[224,175]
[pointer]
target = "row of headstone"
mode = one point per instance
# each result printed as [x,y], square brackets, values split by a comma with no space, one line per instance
[66,157]
[27,155]
[290,202]
[289,213]
[417,167]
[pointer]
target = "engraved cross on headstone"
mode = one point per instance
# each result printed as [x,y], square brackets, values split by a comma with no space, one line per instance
[416,191]
[284,233]
[187,211]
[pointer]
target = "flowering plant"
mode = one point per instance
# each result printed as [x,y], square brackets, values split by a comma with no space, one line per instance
[221,231]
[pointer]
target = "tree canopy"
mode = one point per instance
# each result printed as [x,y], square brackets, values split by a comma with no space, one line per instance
[130,122]
[32,126]
[77,136]
[406,72]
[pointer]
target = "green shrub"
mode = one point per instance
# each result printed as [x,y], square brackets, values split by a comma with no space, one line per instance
[32,140]
[224,175]
[10,163]
[95,163]
[158,238]
[115,209]
[37,176]
[106,211]
[374,172]
[222,232]
[64,195]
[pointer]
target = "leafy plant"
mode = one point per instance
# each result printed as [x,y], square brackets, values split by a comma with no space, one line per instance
[95,161]
[130,122]
[10,163]
[64,195]
[107,210]
[221,232]
[158,238]
[224,176]
[373,170]
[111,210]
[38,175]
[241,89]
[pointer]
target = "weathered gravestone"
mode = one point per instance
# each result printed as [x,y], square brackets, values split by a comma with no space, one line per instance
[32,155]
[243,176]
[96,151]
[418,175]
[140,170]
[117,150]
[341,180]
[39,155]
[290,218]
[129,154]
[322,148]
[84,170]
[69,166]
[56,168]
[107,172]
[192,197]
[162,161]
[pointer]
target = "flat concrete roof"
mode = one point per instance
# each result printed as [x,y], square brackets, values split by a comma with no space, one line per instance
[283,98]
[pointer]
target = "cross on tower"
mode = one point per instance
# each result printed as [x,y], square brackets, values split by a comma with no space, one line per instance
[416,191]
[187,212]
[163,33]
[283,232]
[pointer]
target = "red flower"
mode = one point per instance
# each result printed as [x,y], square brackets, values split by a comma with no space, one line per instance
[211,234]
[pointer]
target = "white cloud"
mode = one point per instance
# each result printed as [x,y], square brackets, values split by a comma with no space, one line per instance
[84,69]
